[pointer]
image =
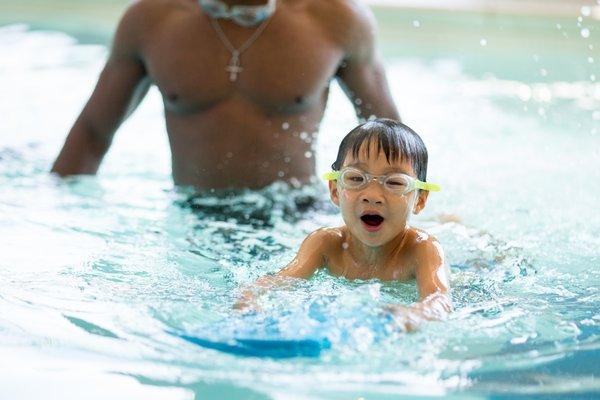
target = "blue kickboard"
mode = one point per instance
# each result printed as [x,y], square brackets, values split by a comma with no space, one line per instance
[272,348]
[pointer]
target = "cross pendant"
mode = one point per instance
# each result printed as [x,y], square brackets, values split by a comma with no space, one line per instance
[234,67]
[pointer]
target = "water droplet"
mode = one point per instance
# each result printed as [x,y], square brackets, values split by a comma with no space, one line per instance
[591,47]
[593,77]
[287,160]
[544,95]
[585,33]
[536,58]
[303,135]
[543,72]
[308,154]
[558,26]
[519,340]
[596,115]
[524,92]
[281,174]
[229,154]
[580,19]
[586,11]
[285,126]
[483,42]
[345,246]
[591,60]
[541,112]
[358,102]
[416,23]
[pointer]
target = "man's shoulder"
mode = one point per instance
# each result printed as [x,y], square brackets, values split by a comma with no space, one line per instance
[154,6]
[152,12]
[351,22]
[142,18]
[349,10]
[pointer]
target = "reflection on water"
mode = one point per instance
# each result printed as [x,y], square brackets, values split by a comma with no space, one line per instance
[95,272]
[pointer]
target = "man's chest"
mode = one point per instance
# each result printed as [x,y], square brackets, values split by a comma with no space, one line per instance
[289,65]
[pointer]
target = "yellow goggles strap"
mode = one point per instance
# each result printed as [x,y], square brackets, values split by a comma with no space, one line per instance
[331,175]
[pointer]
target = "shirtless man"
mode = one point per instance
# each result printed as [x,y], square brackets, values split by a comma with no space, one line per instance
[232,122]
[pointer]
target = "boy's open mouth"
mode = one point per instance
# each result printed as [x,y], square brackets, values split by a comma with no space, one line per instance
[372,222]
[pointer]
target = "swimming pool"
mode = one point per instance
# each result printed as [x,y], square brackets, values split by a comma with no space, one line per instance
[94,272]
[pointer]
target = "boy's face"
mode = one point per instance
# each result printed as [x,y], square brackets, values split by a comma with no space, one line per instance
[373,214]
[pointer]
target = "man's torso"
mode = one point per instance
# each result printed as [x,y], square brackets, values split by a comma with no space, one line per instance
[260,128]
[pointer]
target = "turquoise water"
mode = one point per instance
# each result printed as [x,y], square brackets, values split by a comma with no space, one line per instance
[94,272]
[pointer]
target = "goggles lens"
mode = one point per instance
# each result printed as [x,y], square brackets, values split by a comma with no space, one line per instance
[249,17]
[398,183]
[354,178]
[243,15]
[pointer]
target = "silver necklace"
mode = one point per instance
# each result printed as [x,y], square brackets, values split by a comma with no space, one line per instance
[234,67]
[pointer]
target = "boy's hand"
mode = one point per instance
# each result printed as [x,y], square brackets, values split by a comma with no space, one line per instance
[247,304]
[405,317]
[432,308]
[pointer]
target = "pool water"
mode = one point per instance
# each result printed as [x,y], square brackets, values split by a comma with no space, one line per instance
[95,272]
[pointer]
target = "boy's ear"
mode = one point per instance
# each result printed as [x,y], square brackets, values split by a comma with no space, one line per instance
[334,194]
[421,201]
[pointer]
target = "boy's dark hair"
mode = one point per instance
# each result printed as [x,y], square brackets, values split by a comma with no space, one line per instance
[396,140]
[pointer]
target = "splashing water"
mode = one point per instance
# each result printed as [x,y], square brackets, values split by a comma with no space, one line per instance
[95,272]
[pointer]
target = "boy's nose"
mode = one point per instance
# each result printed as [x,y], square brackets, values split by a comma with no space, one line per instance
[373,193]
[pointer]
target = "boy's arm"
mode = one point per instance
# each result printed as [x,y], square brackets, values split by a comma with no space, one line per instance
[309,258]
[432,276]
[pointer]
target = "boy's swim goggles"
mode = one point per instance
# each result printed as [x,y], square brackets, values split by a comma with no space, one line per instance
[243,15]
[397,183]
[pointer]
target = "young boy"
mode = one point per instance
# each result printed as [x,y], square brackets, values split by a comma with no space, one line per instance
[378,181]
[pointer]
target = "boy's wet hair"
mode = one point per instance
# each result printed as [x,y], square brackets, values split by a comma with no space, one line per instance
[396,140]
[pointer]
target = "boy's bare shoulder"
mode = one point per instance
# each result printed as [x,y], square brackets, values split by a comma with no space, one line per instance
[325,240]
[418,241]
[421,248]
[327,237]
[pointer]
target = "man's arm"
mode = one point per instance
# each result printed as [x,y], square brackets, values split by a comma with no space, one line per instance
[361,74]
[120,88]
[432,276]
